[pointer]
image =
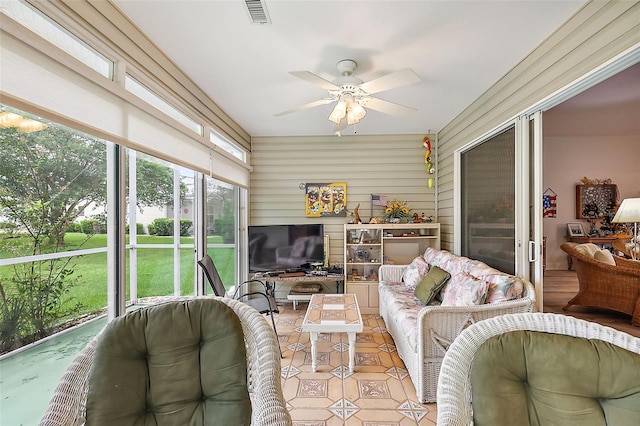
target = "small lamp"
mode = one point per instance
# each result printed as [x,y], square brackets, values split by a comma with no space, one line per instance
[629,212]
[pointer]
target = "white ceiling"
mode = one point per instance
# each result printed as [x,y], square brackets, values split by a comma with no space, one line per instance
[458,48]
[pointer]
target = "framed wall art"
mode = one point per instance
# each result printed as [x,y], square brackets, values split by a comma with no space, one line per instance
[595,201]
[575,229]
[326,199]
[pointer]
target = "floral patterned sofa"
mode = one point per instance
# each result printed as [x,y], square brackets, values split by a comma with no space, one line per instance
[468,292]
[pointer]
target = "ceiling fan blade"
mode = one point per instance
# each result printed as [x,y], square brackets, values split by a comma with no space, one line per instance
[391,81]
[314,79]
[388,107]
[306,106]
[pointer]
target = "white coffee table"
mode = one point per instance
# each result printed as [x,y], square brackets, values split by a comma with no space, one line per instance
[333,313]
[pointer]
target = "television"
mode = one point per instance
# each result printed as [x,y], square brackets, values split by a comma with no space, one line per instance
[285,247]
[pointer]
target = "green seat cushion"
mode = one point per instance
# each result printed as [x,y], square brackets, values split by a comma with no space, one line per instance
[534,378]
[178,363]
[431,284]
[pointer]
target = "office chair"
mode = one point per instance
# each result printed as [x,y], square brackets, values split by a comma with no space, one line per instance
[265,303]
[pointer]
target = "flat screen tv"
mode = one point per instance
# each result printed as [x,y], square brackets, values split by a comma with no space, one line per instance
[282,247]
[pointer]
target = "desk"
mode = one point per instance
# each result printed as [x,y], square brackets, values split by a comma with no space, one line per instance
[333,313]
[600,241]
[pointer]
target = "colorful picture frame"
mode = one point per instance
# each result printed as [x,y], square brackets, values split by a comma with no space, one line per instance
[325,199]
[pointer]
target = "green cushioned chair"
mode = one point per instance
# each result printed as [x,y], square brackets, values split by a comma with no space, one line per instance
[540,369]
[193,361]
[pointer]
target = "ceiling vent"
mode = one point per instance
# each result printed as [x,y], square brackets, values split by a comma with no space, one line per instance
[258,11]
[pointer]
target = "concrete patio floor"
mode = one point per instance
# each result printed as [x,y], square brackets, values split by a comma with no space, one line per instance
[29,377]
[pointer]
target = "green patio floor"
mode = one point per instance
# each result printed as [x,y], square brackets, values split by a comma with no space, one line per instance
[29,377]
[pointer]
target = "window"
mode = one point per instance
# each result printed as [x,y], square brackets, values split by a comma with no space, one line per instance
[53,230]
[135,87]
[52,32]
[222,212]
[229,147]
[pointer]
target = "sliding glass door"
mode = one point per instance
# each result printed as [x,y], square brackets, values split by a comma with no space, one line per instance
[487,194]
[500,199]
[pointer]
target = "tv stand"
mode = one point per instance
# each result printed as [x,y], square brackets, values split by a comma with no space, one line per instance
[280,284]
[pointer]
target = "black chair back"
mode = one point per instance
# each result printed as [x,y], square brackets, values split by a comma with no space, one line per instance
[212,275]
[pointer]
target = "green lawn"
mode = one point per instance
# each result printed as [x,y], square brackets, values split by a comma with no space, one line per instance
[154,265]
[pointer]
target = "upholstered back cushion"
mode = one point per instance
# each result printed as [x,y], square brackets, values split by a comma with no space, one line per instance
[534,378]
[588,249]
[415,272]
[178,363]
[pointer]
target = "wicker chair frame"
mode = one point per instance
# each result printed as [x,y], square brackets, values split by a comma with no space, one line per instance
[68,404]
[454,386]
[606,286]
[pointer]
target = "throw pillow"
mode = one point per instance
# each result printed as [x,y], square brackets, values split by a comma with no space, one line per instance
[415,272]
[465,290]
[605,256]
[503,288]
[431,284]
[588,249]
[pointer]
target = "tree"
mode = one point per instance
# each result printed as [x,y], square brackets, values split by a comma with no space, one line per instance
[48,178]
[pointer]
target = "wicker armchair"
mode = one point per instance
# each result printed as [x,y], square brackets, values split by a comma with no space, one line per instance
[455,405]
[606,286]
[68,404]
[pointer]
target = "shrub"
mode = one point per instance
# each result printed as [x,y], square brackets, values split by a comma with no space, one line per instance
[139,228]
[95,225]
[164,227]
[8,227]
[74,227]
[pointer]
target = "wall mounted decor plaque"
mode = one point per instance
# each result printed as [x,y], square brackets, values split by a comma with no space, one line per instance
[326,199]
[595,201]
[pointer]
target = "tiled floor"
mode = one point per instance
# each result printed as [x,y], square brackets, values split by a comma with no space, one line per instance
[378,393]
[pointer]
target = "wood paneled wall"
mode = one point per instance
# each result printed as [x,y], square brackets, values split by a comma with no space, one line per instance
[387,165]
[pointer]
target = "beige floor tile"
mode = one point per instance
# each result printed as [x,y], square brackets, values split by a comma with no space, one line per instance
[380,418]
[378,393]
[315,417]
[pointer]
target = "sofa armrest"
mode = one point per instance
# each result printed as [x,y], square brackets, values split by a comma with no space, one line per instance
[439,325]
[392,273]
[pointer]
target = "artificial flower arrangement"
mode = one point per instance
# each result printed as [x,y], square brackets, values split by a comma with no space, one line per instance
[396,210]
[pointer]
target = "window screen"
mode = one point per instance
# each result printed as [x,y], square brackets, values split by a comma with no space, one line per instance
[487,207]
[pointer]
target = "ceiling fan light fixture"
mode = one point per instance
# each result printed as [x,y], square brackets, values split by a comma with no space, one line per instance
[358,111]
[10,119]
[30,126]
[339,111]
[352,95]
[22,124]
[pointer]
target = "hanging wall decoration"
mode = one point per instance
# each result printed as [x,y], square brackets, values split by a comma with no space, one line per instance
[326,199]
[549,199]
[426,142]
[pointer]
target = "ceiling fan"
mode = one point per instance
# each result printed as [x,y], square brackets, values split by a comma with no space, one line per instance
[352,94]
